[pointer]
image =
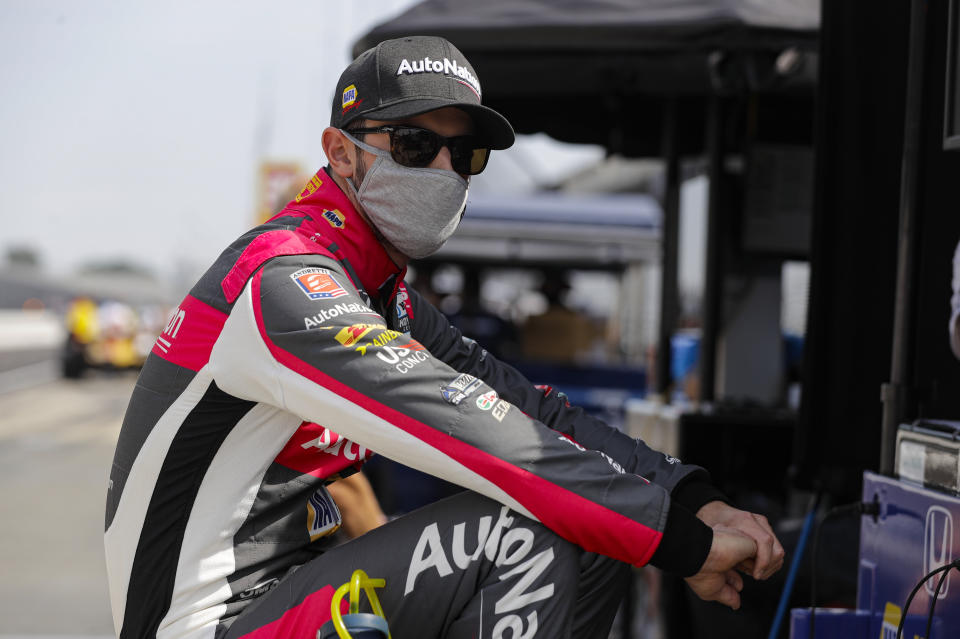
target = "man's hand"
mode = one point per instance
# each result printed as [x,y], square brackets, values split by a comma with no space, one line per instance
[717,579]
[358,505]
[769,555]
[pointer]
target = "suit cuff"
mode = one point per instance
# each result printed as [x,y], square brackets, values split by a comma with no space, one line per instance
[696,493]
[685,543]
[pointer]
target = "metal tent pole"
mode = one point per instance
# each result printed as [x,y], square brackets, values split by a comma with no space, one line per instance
[896,393]
[669,295]
[713,288]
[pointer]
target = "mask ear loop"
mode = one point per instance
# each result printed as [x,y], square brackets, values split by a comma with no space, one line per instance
[366,147]
[463,205]
[380,153]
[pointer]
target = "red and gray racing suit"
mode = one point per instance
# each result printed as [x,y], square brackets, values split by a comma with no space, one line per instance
[298,354]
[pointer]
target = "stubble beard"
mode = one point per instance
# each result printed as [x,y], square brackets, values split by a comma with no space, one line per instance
[359,173]
[361,170]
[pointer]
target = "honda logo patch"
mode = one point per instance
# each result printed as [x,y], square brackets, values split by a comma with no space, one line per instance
[937,546]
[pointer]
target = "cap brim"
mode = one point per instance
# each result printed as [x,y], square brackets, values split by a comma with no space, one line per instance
[493,129]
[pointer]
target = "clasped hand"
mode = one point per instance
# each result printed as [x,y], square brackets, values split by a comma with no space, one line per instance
[741,541]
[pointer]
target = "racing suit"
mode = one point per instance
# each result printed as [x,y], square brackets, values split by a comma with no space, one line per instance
[298,354]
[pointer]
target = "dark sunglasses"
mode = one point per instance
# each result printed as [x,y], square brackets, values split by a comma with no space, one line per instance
[415,147]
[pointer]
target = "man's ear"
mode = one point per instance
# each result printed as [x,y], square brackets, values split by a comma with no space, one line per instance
[340,152]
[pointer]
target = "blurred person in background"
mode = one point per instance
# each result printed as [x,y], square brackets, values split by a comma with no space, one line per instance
[559,334]
[492,332]
[301,351]
[82,330]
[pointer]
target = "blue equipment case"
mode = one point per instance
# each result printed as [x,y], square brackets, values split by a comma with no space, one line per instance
[917,530]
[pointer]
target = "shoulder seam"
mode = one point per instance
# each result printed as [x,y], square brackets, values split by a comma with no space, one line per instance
[264,247]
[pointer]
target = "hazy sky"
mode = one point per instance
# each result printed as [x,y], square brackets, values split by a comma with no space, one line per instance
[134,129]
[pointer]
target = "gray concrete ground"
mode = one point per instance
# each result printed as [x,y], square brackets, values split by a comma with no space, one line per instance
[56,445]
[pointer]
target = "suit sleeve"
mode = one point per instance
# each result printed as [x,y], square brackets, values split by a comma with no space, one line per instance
[687,484]
[319,353]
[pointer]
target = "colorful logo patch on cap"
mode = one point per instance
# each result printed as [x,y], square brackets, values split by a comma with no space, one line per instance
[317,284]
[310,188]
[335,218]
[349,99]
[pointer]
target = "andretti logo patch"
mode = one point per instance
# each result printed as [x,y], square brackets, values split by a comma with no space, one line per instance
[317,284]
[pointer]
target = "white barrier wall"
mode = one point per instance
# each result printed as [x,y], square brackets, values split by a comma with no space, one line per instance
[30,330]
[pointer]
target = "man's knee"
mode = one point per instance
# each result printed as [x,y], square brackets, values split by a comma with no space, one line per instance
[487,534]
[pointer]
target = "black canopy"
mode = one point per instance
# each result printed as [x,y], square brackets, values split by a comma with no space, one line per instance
[598,70]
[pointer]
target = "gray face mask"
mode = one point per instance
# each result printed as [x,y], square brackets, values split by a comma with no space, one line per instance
[416,209]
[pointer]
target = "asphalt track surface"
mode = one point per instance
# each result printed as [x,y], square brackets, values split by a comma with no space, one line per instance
[56,445]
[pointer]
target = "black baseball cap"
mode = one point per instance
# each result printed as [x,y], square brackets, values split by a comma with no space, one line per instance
[408,76]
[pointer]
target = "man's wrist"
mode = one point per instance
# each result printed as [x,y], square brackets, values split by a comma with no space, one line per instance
[685,543]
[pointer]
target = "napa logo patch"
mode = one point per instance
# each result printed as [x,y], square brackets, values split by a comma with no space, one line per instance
[349,99]
[317,284]
[335,218]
